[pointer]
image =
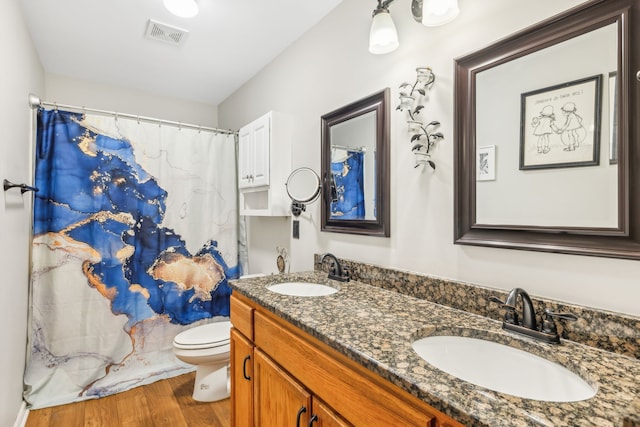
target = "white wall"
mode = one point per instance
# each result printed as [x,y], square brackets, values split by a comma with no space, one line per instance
[70,91]
[21,73]
[330,67]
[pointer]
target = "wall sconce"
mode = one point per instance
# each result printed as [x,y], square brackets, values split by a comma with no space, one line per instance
[383,37]
[182,8]
[423,136]
[434,12]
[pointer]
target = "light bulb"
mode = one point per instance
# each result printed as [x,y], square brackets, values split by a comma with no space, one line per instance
[182,8]
[439,12]
[383,37]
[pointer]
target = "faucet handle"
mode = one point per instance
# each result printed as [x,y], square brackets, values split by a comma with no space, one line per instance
[496,299]
[549,326]
[562,316]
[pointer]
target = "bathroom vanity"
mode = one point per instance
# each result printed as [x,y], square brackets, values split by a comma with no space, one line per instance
[290,375]
[346,359]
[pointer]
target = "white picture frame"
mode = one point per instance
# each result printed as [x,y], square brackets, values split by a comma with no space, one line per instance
[486,163]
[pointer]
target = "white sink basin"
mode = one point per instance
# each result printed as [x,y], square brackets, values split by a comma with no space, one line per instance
[503,369]
[302,289]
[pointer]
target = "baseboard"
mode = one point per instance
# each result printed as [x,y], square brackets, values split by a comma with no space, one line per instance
[21,419]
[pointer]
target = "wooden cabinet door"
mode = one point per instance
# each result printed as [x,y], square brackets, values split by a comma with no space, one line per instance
[241,380]
[324,416]
[279,400]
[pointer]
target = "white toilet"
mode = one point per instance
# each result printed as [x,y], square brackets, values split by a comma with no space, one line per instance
[207,347]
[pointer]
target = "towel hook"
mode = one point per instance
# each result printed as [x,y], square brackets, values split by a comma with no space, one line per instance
[23,187]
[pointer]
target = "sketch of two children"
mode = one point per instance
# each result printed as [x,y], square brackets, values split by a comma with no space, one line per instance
[571,132]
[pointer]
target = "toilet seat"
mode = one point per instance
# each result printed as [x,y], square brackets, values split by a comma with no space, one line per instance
[211,335]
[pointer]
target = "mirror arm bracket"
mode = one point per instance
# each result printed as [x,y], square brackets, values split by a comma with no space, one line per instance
[297,208]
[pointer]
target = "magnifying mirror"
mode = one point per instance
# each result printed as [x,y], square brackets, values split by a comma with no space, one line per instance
[303,186]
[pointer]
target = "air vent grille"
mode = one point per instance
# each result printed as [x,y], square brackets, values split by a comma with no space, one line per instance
[165,33]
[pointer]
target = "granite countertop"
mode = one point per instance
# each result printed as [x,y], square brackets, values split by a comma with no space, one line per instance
[375,327]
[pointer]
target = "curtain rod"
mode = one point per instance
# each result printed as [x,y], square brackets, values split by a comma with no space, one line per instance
[342,147]
[36,102]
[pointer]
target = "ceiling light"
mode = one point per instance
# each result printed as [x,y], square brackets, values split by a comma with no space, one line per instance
[434,12]
[383,37]
[182,8]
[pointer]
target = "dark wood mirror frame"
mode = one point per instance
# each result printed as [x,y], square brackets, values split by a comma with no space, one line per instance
[378,102]
[622,242]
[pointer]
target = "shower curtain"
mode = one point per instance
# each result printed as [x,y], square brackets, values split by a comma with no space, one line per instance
[348,178]
[135,237]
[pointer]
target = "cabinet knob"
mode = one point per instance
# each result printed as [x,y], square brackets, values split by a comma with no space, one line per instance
[313,419]
[244,368]
[301,411]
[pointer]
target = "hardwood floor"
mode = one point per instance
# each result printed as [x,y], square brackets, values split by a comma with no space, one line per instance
[163,403]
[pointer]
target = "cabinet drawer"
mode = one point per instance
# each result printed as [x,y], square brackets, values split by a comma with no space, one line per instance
[342,384]
[242,316]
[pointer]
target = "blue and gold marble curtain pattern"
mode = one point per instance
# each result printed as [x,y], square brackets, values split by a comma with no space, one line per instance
[348,177]
[135,237]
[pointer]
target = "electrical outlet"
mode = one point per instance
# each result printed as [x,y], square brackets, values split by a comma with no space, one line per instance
[296,229]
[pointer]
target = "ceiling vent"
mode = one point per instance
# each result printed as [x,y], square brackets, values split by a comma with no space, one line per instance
[165,33]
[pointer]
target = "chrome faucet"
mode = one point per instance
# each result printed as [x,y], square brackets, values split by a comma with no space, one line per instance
[336,271]
[528,326]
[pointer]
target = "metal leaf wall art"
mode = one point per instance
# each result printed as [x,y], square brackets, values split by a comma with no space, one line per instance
[423,134]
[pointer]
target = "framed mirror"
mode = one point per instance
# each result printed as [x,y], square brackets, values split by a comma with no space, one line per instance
[546,154]
[355,167]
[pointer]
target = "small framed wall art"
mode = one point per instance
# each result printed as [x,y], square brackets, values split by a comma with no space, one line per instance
[486,163]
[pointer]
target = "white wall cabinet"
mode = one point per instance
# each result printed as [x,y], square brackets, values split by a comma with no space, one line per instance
[264,163]
[254,153]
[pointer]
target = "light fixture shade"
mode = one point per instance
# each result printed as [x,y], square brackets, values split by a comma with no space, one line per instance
[439,12]
[383,37]
[182,8]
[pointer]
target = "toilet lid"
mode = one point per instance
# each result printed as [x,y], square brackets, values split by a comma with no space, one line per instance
[204,336]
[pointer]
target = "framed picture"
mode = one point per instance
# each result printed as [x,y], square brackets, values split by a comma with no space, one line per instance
[486,163]
[560,125]
[613,117]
